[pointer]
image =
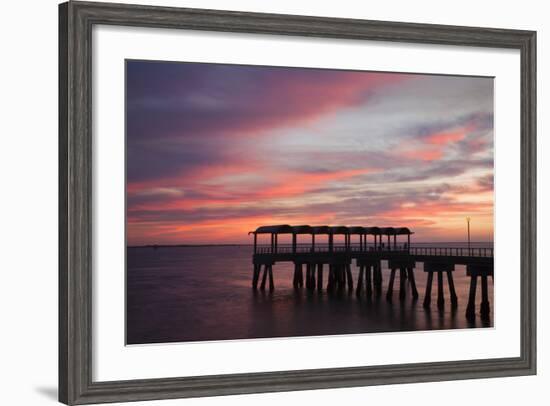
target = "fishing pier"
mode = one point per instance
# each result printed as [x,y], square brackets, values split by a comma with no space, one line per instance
[334,248]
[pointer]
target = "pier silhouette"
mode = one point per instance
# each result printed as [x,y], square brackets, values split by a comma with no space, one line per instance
[392,244]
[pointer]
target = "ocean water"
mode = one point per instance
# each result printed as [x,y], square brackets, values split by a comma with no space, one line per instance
[179,294]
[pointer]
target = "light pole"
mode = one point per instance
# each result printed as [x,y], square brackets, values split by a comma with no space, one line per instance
[468,222]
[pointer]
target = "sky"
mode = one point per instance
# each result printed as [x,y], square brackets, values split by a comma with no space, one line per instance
[214,151]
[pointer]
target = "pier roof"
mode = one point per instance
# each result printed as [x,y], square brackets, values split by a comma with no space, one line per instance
[387,230]
[356,230]
[403,231]
[305,229]
[339,230]
[372,230]
[277,229]
[395,231]
[321,230]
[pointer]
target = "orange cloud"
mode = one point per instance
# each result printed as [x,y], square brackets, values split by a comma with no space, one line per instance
[444,138]
[422,154]
[293,184]
[282,185]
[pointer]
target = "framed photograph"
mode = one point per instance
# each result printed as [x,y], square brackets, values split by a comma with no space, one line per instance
[257,202]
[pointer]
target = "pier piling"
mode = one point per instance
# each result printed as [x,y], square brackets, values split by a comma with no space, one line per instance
[389,294]
[264,277]
[471,308]
[412,282]
[320,277]
[428,294]
[349,277]
[440,268]
[368,280]
[440,294]
[360,278]
[271,284]
[255,277]
[483,272]
[402,281]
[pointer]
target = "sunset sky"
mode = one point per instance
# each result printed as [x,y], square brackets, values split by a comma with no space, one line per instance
[214,151]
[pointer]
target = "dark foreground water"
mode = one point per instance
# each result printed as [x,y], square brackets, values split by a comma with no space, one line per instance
[179,294]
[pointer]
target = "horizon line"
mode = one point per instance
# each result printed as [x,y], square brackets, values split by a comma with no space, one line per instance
[251,244]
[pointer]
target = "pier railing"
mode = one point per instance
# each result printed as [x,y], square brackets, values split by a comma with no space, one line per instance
[452,251]
[305,248]
[359,248]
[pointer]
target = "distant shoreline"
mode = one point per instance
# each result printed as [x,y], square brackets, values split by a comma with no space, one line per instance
[251,245]
[187,245]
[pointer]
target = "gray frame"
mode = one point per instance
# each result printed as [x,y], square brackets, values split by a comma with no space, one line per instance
[75,179]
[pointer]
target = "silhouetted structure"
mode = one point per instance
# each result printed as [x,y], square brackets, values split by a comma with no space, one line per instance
[314,255]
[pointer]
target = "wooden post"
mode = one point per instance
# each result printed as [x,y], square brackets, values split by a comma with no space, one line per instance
[295,281]
[428,294]
[255,242]
[330,284]
[485,307]
[394,241]
[440,294]
[256,276]
[454,299]
[330,242]
[293,243]
[402,285]
[389,294]
[334,276]
[300,276]
[271,285]
[368,280]
[262,286]
[272,244]
[360,280]
[413,283]
[408,242]
[319,277]
[378,277]
[310,276]
[276,242]
[349,277]
[312,242]
[471,308]
[342,270]
[339,276]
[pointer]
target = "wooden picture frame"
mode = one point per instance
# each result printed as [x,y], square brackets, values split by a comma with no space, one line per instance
[75,204]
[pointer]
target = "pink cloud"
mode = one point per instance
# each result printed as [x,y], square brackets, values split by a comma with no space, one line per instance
[431,147]
[444,138]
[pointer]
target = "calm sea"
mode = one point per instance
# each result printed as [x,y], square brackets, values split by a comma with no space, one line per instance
[177,294]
